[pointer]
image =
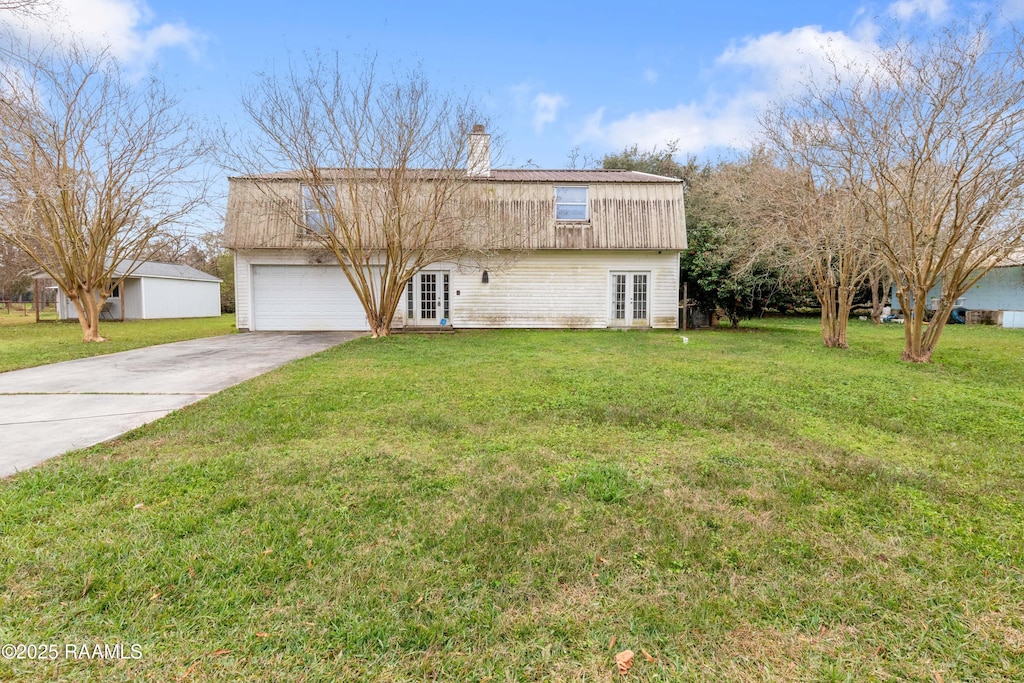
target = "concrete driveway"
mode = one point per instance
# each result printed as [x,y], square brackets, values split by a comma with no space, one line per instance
[52,409]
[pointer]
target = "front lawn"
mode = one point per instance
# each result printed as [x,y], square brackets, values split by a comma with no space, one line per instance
[522,505]
[26,344]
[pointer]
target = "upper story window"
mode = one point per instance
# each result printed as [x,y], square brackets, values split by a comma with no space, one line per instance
[571,204]
[315,219]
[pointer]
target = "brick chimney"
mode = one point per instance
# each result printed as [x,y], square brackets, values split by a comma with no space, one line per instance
[479,152]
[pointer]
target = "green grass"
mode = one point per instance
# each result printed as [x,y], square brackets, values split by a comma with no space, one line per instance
[501,506]
[23,314]
[26,345]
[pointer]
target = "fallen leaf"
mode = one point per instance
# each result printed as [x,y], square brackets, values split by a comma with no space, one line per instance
[188,671]
[648,655]
[624,660]
[611,643]
[309,564]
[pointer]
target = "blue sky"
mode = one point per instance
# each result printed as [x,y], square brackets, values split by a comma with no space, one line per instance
[553,75]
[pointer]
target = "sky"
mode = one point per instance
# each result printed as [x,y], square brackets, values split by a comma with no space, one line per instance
[553,76]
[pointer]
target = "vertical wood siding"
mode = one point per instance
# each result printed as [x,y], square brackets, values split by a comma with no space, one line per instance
[622,216]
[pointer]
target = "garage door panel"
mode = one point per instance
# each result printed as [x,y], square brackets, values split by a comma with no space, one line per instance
[299,298]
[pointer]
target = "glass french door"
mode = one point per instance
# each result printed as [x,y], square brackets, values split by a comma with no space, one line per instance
[629,299]
[428,298]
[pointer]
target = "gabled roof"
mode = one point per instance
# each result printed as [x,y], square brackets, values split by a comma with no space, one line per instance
[176,271]
[513,175]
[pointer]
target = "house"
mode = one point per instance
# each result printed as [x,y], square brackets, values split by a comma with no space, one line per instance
[154,290]
[600,249]
[1000,291]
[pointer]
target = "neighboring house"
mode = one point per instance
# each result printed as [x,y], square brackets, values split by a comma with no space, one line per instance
[602,251]
[999,290]
[155,290]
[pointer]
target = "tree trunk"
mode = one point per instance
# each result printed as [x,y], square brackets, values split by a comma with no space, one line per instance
[835,316]
[877,285]
[380,320]
[915,349]
[88,304]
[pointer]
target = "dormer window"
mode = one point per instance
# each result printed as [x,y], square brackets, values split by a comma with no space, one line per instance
[571,204]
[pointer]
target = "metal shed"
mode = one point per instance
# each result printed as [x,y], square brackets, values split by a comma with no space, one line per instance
[156,290]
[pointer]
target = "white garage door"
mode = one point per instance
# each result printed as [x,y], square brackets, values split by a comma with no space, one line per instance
[304,298]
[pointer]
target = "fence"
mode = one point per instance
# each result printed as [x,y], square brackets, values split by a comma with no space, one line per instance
[27,308]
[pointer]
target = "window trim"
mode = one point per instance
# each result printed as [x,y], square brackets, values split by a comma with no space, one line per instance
[312,219]
[585,204]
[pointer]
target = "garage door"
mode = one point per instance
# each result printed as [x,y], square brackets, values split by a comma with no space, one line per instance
[304,298]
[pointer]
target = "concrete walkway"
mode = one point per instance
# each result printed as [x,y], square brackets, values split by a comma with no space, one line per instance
[52,409]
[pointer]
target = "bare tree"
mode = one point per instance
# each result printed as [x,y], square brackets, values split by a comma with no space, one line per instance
[812,217]
[932,137]
[382,168]
[93,168]
[15,271]
[24,7]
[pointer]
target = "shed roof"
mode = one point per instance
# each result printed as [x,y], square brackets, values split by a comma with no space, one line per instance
[515,175]
[177,271]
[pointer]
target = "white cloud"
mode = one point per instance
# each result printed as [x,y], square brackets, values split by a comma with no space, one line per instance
[905,10]
[650,76]
[694,126]
[760,69]
[126,27]
[545,110]
[781,61]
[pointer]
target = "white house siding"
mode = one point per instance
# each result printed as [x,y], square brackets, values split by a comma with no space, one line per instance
[171,298]
[542,289]
[560,289]
[243,292]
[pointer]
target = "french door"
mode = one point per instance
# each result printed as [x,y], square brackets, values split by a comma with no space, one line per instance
[428,298]
[629,299]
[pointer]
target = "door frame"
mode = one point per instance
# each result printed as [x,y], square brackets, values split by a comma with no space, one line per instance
[626,305]
[415,298]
